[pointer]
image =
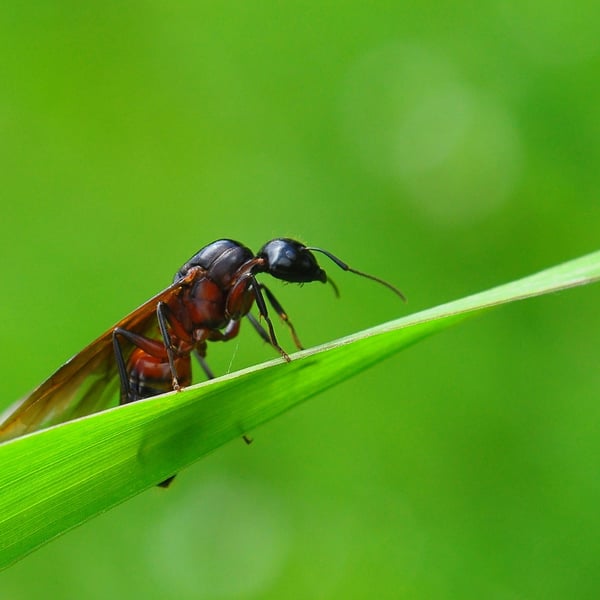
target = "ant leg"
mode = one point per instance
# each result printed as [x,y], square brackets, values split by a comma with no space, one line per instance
[152,347]
[262,332]
[259,328]
[264,313]
[231,330]
[121,366]
[161,313]
[167,482]
[207,370]
[281,312]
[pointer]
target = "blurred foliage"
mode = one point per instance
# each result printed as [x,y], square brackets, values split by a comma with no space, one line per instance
[445,147]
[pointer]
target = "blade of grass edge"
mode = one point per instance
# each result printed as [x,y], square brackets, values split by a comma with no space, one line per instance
[53,480]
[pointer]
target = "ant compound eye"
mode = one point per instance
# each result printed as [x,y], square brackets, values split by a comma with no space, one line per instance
[291,261]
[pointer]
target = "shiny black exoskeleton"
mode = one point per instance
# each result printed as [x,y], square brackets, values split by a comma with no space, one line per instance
[282,258]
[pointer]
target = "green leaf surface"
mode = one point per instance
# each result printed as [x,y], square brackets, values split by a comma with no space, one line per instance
[58,478]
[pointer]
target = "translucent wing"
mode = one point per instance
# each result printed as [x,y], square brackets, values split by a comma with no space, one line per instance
[87,382]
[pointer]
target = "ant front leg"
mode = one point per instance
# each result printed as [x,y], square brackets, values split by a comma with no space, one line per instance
[281,312]
[259,328]
[264,313]
[262,332]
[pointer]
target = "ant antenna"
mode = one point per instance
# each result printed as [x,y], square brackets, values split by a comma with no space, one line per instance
[336,291]
[342,265]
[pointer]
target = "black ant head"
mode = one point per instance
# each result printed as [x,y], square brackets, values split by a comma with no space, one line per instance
[291,261]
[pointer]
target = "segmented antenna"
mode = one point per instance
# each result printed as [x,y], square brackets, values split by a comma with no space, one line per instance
[342,265]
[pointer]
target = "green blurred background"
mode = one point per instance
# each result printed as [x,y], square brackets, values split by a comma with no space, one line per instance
[447,147]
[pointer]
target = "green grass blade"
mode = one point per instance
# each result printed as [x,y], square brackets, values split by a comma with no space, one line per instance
[56,479]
